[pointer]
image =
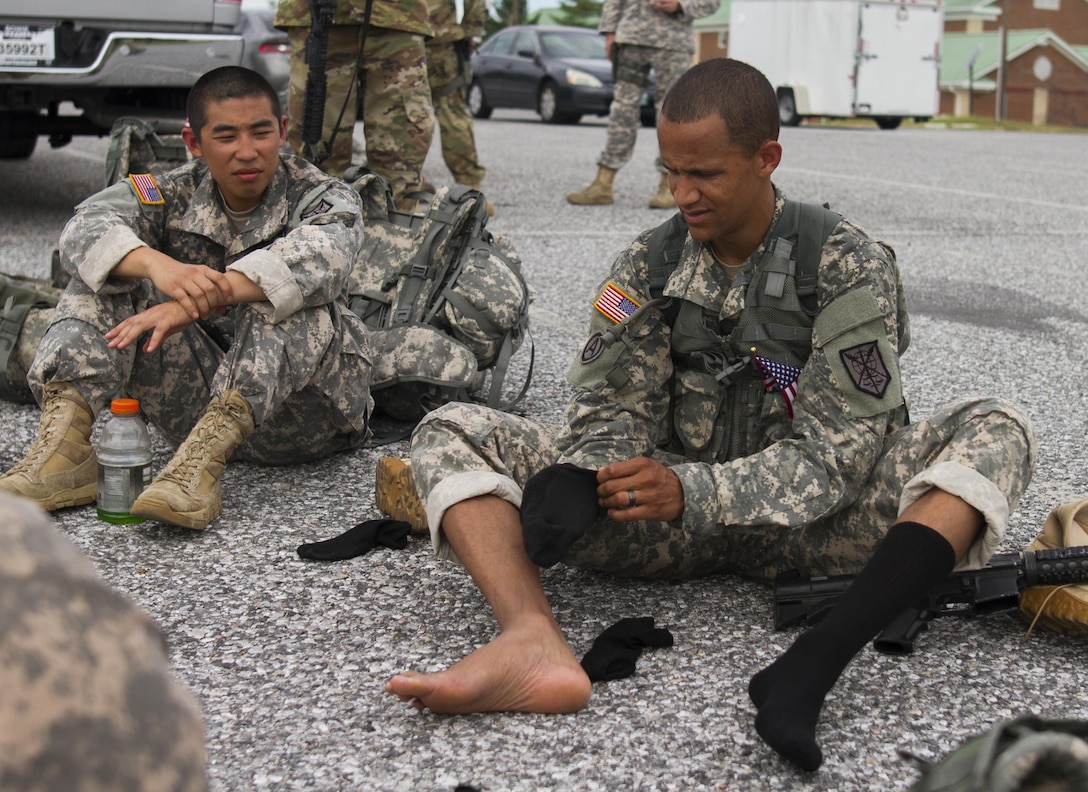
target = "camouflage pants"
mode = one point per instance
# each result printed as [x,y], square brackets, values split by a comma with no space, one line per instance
[980,449]
[89,701]
[307,386]
[632,69]
[451,111]
[396,102]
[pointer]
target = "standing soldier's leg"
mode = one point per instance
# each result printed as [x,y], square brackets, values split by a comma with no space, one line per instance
[668,66]
[631,68]
[340,95]
[397,121]
[454,121]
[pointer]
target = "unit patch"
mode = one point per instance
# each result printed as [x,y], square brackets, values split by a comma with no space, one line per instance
[593,349]
[322,207]
[866,368]
[615,304]
[146,189]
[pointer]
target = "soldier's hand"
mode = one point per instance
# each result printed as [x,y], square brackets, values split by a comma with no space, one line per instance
[163,320]
[198,289]
[658,494]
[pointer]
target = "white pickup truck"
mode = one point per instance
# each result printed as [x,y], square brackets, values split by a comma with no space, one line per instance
[108,58]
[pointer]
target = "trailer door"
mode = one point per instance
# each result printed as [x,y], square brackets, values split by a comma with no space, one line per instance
[898,59]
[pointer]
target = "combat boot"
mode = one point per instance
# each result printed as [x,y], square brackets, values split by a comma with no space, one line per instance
[61,468]
[395,494]
[490,206]
[663,197]
[597,194]
[188,492]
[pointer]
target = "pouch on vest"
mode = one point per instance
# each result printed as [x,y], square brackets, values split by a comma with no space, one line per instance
[1027,753]
[26,308]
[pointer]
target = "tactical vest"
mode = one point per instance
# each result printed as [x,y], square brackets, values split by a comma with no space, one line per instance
[719,394]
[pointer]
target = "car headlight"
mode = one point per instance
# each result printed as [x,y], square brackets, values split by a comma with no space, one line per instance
[585,79]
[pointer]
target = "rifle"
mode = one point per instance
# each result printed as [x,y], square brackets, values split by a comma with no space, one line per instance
[995,588]
[317,43]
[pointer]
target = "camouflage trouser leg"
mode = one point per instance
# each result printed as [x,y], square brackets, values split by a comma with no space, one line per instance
[451,111]
[294,363]
[981,450]
[342,55]
[88,692]
[633,64]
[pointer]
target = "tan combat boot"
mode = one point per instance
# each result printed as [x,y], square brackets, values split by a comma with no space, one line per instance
[490,206]
[60,469]
[395,494]
[663,197]
[597,194]
[188,492]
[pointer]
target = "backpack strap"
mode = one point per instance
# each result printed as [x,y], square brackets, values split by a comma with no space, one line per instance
[663,250]
[814,225]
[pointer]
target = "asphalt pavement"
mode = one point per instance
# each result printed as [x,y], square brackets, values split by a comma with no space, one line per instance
[288,657]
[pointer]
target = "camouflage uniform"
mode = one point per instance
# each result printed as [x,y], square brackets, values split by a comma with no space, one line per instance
[396,99]
[762,493]
[89,702]
[445,72]
[644,39]
[301,359]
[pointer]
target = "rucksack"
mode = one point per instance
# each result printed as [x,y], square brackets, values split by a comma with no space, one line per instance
[1026,753]
[446,300]
[137,147]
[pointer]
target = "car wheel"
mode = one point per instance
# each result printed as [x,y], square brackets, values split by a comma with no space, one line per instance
[477,104]
[888,122]
[15,145]
[787,108]
[548,106]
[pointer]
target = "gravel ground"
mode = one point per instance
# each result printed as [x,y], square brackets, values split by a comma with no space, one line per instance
[288,657]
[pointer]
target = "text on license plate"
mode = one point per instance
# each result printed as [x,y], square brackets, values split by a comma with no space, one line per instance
[22,45]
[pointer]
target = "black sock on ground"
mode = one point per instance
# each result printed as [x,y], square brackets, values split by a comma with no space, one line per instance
[358,541]
[789,693]
[557,506]
[615,650]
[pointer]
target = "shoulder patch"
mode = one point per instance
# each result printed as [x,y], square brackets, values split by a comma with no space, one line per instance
[615,303]
[593,349]
[147,190]
[321,207]
[866,368]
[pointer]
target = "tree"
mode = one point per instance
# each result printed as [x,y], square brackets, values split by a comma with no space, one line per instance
[505,13]
[584,13]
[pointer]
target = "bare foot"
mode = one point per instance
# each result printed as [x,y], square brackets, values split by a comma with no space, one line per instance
[527,668]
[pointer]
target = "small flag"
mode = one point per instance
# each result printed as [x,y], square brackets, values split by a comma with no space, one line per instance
[614,304]
[146,189]
[779,377]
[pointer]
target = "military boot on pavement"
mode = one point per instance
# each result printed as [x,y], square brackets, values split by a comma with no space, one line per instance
[396,496]
[188,492]
[663,197]
[61,468]
[597,194]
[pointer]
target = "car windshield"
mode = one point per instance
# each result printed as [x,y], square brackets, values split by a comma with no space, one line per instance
[572,45]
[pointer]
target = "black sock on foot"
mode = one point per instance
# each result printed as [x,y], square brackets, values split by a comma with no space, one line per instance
[557,506]
[358,541]
[789,693]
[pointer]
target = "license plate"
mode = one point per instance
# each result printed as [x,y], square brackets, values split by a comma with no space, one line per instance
[22,45]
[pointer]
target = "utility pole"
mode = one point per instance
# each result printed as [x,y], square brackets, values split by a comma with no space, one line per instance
[1002,54]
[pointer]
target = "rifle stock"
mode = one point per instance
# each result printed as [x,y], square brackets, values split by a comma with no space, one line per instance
[995,588]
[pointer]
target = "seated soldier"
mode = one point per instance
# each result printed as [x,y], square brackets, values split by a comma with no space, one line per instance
[215,295]
[726,418]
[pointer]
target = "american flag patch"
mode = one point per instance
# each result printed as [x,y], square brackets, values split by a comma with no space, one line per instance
[779,377]
[146,189]
[614,304]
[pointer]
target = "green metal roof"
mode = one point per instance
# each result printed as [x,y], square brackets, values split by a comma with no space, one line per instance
[718,19]
[957,49]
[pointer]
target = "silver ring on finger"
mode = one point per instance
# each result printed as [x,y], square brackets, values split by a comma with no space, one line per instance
[631,499]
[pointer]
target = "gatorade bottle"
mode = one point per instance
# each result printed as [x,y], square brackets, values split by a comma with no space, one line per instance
[124,461]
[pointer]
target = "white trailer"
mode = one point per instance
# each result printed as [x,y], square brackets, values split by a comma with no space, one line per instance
[874,59]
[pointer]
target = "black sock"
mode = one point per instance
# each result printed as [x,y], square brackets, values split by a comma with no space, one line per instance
[615,650]
[790,692]
[557,507]
[358,541]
